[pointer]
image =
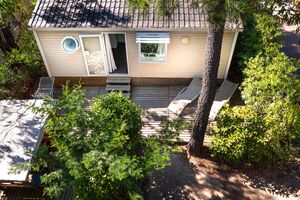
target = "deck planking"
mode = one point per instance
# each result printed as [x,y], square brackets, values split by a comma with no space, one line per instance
[154,100]
[21,193]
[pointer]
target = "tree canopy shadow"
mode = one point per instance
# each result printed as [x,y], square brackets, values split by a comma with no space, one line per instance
[92,13]
[283,180]
[200,178]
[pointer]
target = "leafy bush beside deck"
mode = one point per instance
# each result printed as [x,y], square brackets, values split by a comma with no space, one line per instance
[98,150]
[264,129]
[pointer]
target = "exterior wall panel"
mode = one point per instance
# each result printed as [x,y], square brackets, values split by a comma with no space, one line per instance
[184,60]
[61,63]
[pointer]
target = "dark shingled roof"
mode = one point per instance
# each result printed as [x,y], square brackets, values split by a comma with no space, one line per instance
[114,14]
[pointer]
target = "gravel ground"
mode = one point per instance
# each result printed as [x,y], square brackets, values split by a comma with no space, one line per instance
[204,178]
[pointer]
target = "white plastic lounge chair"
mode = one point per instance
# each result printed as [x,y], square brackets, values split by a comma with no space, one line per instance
[45,87]
[185,96]
[223,95]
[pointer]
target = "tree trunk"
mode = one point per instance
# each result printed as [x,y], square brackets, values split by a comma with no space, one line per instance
[7,41]
[208,89]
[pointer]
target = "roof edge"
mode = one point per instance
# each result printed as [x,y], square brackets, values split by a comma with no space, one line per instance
[129,29]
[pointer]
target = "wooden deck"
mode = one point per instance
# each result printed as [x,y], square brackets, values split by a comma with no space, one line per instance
[18,193]
[155,100]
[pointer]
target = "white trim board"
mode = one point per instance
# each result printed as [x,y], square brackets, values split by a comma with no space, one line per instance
[42,53]
[127,57]
[231,54]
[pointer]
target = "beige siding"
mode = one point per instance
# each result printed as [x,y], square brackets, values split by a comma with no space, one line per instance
[60,63]
[184,60]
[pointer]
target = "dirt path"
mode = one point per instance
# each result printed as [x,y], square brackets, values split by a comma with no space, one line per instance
[290,40]
[204,179]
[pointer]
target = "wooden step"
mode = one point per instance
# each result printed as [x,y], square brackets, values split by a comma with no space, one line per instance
[126,94]
[118,80]
[118,88]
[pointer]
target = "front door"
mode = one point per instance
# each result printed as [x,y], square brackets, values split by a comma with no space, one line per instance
[117,45]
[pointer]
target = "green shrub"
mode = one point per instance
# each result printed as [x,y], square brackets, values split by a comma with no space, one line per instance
[269,78]
[19,71]
[98,150]
[261,32]
[242,135]
[21,67]
[264,129]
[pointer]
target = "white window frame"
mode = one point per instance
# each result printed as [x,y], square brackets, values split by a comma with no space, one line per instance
[152,61]
[76,42]
[152,38]
[102,45]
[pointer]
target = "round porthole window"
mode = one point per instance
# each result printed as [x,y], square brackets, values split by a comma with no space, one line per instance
[70,44]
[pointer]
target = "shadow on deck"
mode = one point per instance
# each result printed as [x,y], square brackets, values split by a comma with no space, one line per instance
[17,193]
[154,100]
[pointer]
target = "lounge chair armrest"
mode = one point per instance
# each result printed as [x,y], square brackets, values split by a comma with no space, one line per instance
[181,91]
[194,98]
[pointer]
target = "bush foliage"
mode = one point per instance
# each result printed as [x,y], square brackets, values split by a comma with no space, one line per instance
[264,129]
[20,67]
[260,31]
[98,150]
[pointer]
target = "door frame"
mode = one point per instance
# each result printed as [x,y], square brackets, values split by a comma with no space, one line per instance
[102,46]
[126,51]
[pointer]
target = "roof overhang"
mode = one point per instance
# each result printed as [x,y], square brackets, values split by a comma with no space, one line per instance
[91,29]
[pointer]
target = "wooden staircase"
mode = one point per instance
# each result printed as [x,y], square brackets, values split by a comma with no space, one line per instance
[122,84]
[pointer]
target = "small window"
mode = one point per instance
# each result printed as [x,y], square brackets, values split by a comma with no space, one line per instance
[70,45]
[152,46]
[153,52]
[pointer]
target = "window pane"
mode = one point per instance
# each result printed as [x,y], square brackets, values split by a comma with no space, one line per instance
[93,55]
[155,52]
[70,45]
